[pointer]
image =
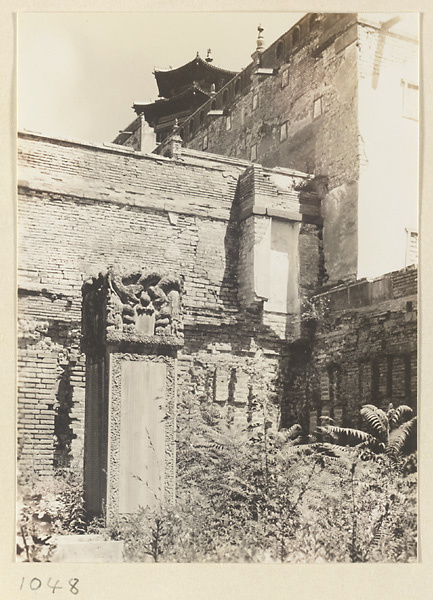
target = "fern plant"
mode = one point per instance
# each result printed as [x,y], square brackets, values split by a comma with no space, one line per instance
[392,432]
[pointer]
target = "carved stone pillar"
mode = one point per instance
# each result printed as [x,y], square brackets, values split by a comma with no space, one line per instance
[132,329]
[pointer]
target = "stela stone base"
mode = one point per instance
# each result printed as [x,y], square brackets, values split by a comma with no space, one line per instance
[86,549]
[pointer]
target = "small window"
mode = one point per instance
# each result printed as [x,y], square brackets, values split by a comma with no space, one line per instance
[201,117]
[255,101]
[317,108]
[254,152]
[191,126]
[296,35]
[225,97]
[313,421]
[411,247]
[410,100]
[279,51]
[283,132]
[285,78]
[228,122]
[313,21]
[237,86]
[205,142]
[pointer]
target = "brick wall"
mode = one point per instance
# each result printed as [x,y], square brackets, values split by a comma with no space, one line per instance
[364,352]
[84,208]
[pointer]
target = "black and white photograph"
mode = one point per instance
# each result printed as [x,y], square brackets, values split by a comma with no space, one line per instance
[217,287]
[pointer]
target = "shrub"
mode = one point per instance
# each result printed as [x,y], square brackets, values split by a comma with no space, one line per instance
[47,506]
[253,494]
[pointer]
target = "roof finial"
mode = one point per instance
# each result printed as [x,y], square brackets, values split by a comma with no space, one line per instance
[175,126]
[212,90]
[198,54]
[209,58]
[260,40]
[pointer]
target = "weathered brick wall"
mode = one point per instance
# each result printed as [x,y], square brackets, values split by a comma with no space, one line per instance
[364,350]
[83,209]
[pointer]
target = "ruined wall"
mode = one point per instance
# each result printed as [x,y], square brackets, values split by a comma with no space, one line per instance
[363,350]
[84,208]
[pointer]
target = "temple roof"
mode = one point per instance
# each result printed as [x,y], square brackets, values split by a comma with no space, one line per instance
[191,98]
[172,81]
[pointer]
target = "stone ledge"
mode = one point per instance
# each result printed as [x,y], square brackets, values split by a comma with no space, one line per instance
[87,549]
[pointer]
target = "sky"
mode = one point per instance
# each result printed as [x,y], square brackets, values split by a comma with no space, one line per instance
[79,73]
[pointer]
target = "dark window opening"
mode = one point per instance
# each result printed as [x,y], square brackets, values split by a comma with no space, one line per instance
[191,126]
[201,117]
[213,105]
[375,376]
[237,86]
[225,97]
[296,35]
[389,366]
[280,48]
[407,379]
[313,21]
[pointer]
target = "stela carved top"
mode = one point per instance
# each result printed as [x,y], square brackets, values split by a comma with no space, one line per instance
[142,307]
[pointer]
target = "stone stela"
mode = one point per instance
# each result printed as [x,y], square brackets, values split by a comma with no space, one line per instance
[132,329]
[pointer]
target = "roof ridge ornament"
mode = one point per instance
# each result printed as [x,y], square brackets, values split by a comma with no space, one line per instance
[209,58]
[260,39]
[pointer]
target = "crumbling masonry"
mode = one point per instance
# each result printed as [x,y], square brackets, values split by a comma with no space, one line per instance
[228,272]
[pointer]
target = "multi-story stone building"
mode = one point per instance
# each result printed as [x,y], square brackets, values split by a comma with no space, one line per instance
[231,264]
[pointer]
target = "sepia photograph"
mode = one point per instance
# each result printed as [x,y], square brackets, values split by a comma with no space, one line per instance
[217,271]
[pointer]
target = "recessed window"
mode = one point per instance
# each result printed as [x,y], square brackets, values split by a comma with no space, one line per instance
[254,152]
[228,122]
[225,97]
[283,132]
[201,117]
[279,51]
[191,126]
[411,247]
[410,100]
[205,142]
[255,101]
[237,86]
[285,78]
[313,21]
[296,35]
[317,107]
[181,133]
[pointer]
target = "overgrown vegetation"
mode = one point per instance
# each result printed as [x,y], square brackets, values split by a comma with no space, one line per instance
[46,507]
[247,493]
[393,431]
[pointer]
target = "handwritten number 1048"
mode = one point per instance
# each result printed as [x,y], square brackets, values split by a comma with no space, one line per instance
[36,583]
